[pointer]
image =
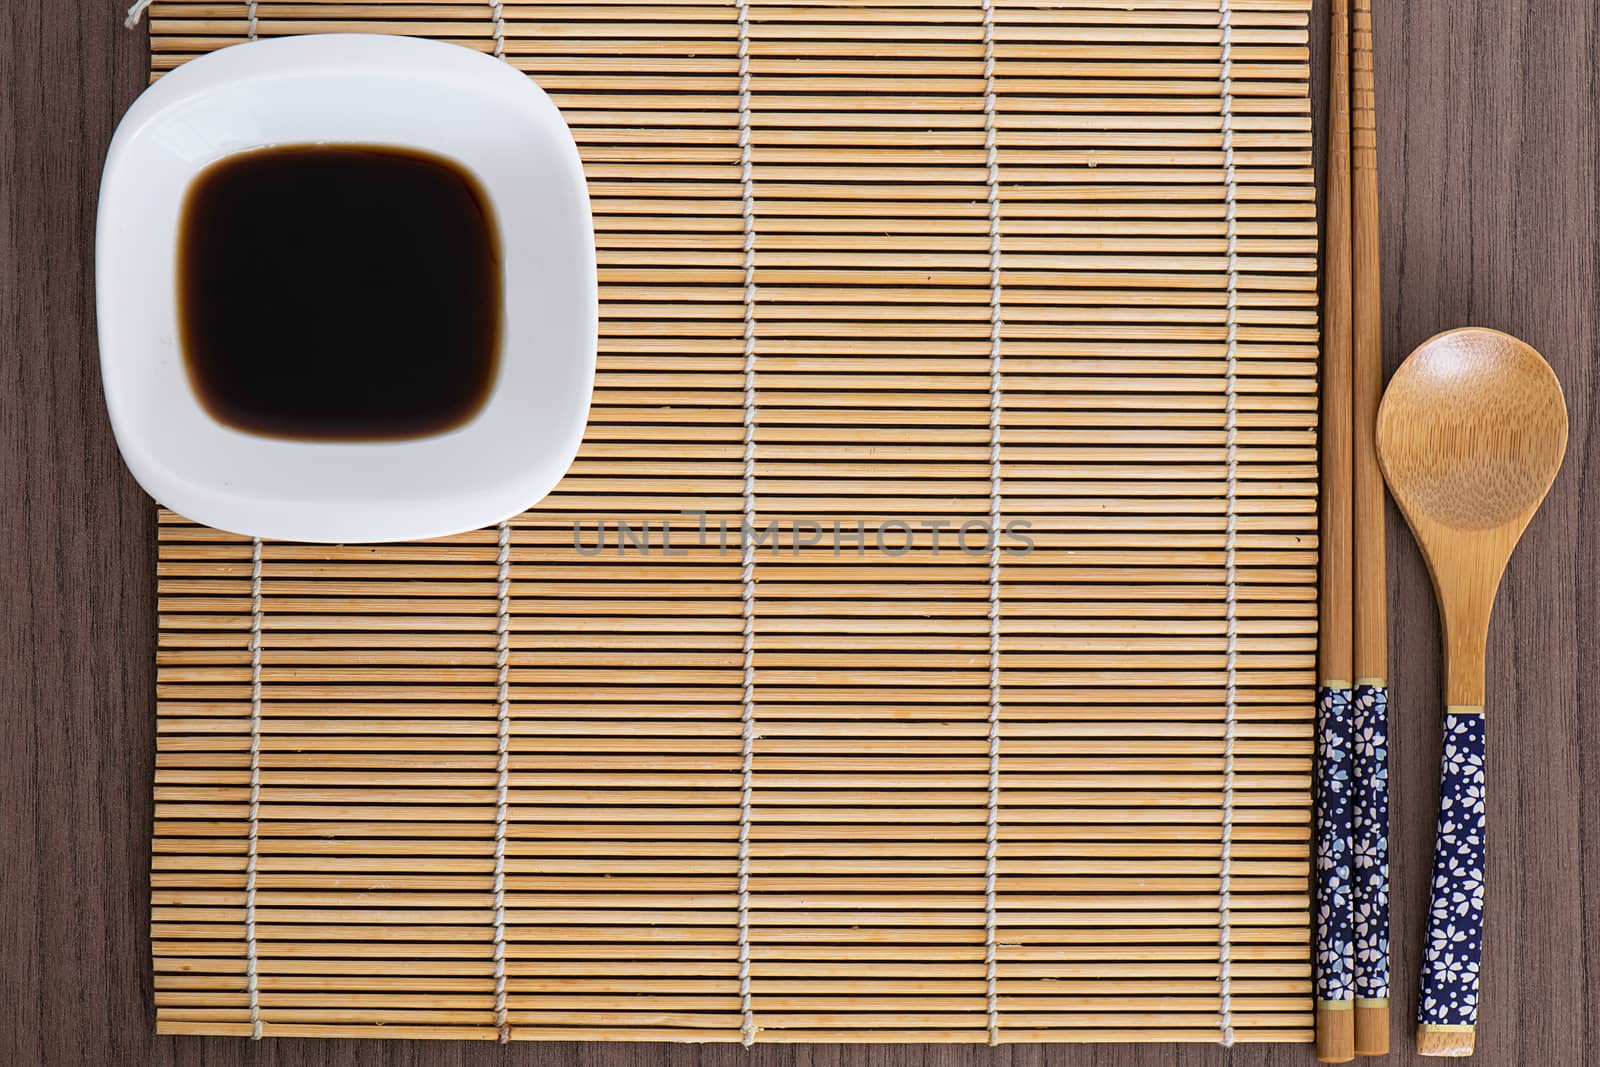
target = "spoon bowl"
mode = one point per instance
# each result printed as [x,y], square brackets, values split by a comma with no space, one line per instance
[1472,430]
[1470,436]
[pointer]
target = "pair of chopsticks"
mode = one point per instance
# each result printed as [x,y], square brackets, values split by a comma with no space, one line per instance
[1351,802]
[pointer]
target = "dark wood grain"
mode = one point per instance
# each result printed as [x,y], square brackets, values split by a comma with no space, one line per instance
[1489,126]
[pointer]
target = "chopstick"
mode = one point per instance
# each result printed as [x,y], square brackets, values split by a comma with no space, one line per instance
[1333,962]
[1370,709]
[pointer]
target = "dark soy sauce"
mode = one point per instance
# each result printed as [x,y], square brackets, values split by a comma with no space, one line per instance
[339,293]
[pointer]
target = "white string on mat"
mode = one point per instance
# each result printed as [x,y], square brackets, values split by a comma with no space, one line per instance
[747,563]
[1231,428]
[251,979]
[996,392]
[502,678]
[502,660]
[136,12]
[499,14]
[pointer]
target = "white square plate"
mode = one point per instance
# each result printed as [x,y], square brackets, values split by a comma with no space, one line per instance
[353,89]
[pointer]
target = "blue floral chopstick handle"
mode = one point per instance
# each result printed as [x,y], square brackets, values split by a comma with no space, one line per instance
[1448,1000]
[1370,838]
[1332,968]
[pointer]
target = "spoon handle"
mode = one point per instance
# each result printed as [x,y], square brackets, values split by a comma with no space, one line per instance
[1333,962]
[1447,1006]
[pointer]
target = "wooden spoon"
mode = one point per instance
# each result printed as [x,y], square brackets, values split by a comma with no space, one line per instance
[1470,435]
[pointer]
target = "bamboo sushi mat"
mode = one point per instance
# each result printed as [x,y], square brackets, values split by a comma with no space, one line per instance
[890,265]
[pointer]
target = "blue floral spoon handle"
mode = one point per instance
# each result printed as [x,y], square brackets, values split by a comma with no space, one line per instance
[1447,1003]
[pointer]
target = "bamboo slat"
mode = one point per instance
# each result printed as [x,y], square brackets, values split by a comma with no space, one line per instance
[870,270]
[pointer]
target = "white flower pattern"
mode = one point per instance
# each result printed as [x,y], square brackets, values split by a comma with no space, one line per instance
[1333,965]
[1370,839]
[1454,947]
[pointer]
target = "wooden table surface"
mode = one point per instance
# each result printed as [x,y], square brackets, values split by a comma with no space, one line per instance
[1489,123]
